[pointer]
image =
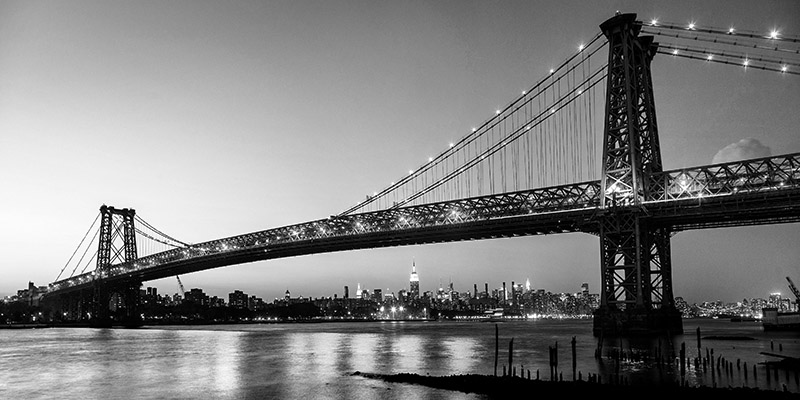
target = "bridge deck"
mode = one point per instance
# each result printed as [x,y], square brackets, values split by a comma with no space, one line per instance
[759,191]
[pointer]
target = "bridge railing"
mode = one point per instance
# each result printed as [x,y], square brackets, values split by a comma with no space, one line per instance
[751,176]
[529,202]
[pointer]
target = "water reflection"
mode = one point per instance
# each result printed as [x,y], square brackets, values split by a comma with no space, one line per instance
[316,360]
[461,354]
[365,351]
[410,351]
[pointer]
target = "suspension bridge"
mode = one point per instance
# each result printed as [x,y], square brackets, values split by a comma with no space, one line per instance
[539,165]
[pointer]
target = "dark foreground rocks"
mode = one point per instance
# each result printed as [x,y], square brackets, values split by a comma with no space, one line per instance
[502,387]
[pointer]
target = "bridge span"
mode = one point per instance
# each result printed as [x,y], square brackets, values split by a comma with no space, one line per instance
[633,206]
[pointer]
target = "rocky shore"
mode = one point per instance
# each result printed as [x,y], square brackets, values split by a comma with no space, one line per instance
[502,387]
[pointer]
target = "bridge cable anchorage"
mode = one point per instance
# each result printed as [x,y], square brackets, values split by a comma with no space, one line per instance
[78,247]
[487,147]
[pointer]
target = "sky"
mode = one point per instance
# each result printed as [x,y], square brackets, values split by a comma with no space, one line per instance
[213,119]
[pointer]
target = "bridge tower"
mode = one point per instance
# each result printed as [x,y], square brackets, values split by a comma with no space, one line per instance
[117,244]
[636,272]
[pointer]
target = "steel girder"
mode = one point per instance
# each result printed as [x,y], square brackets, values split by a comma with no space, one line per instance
[765,190]
[635,263]
[547,203]
[742,177]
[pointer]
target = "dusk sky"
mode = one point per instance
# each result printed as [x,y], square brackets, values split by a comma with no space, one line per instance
[214,119]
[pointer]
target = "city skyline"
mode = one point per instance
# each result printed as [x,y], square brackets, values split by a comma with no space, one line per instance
[214,120]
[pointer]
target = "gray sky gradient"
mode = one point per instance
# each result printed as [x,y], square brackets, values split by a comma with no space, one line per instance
[214,119]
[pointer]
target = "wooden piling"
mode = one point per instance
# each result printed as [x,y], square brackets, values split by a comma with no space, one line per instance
[496,346]
[698,340]
[574,359]
[683,360]
[745,371]
[511,353]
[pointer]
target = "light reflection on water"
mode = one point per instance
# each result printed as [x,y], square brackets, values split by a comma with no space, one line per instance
[293,361]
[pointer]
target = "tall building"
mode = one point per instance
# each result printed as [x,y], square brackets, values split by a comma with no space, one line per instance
[414,282]
[197,296]
[585,289]
[237,299]
[346,292]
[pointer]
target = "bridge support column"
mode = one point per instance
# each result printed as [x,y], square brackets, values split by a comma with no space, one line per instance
[117,304]
[636,272]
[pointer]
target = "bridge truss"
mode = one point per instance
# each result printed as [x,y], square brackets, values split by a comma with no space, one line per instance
[512,176]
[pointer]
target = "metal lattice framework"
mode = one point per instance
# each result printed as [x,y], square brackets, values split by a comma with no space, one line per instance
[112,229]
[634,207]
[729,194]
[635,263]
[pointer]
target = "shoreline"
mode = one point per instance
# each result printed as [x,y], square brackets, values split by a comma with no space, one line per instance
[498,386]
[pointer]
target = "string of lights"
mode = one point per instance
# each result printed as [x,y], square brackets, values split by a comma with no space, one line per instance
[450,162]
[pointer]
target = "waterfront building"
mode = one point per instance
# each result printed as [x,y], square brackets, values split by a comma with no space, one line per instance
[197,296]
[237,299]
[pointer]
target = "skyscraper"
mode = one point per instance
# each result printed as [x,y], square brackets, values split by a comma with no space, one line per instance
[414,282]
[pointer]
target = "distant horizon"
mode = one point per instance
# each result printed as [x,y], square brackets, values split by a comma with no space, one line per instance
[212,119]
[215,291]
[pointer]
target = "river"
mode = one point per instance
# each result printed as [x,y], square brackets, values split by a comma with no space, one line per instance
[316,360]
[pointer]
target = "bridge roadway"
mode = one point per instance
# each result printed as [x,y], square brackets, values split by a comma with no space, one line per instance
[758,191]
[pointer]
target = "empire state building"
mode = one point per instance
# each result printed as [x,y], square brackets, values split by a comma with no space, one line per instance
[414,282]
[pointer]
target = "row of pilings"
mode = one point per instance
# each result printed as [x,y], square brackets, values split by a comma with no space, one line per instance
[703,369]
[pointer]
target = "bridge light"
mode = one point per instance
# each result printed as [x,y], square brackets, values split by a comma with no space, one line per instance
[552,70]
[691,26]
[675,52]
[745,63]
[581,47]
[411,171]
[710,57]
[653,22]
[497,111]
[430,159]
[730,31]
[524,93]
[473,129]
[784,68]
[452,144]
[774,34]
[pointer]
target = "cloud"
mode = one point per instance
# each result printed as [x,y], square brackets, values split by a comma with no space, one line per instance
[744,149]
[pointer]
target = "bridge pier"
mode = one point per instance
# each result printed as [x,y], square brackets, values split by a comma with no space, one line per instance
[612,322]
[117,304]
[635,260]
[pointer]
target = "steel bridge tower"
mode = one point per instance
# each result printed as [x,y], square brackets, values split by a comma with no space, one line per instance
[636,272]
[116,225]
